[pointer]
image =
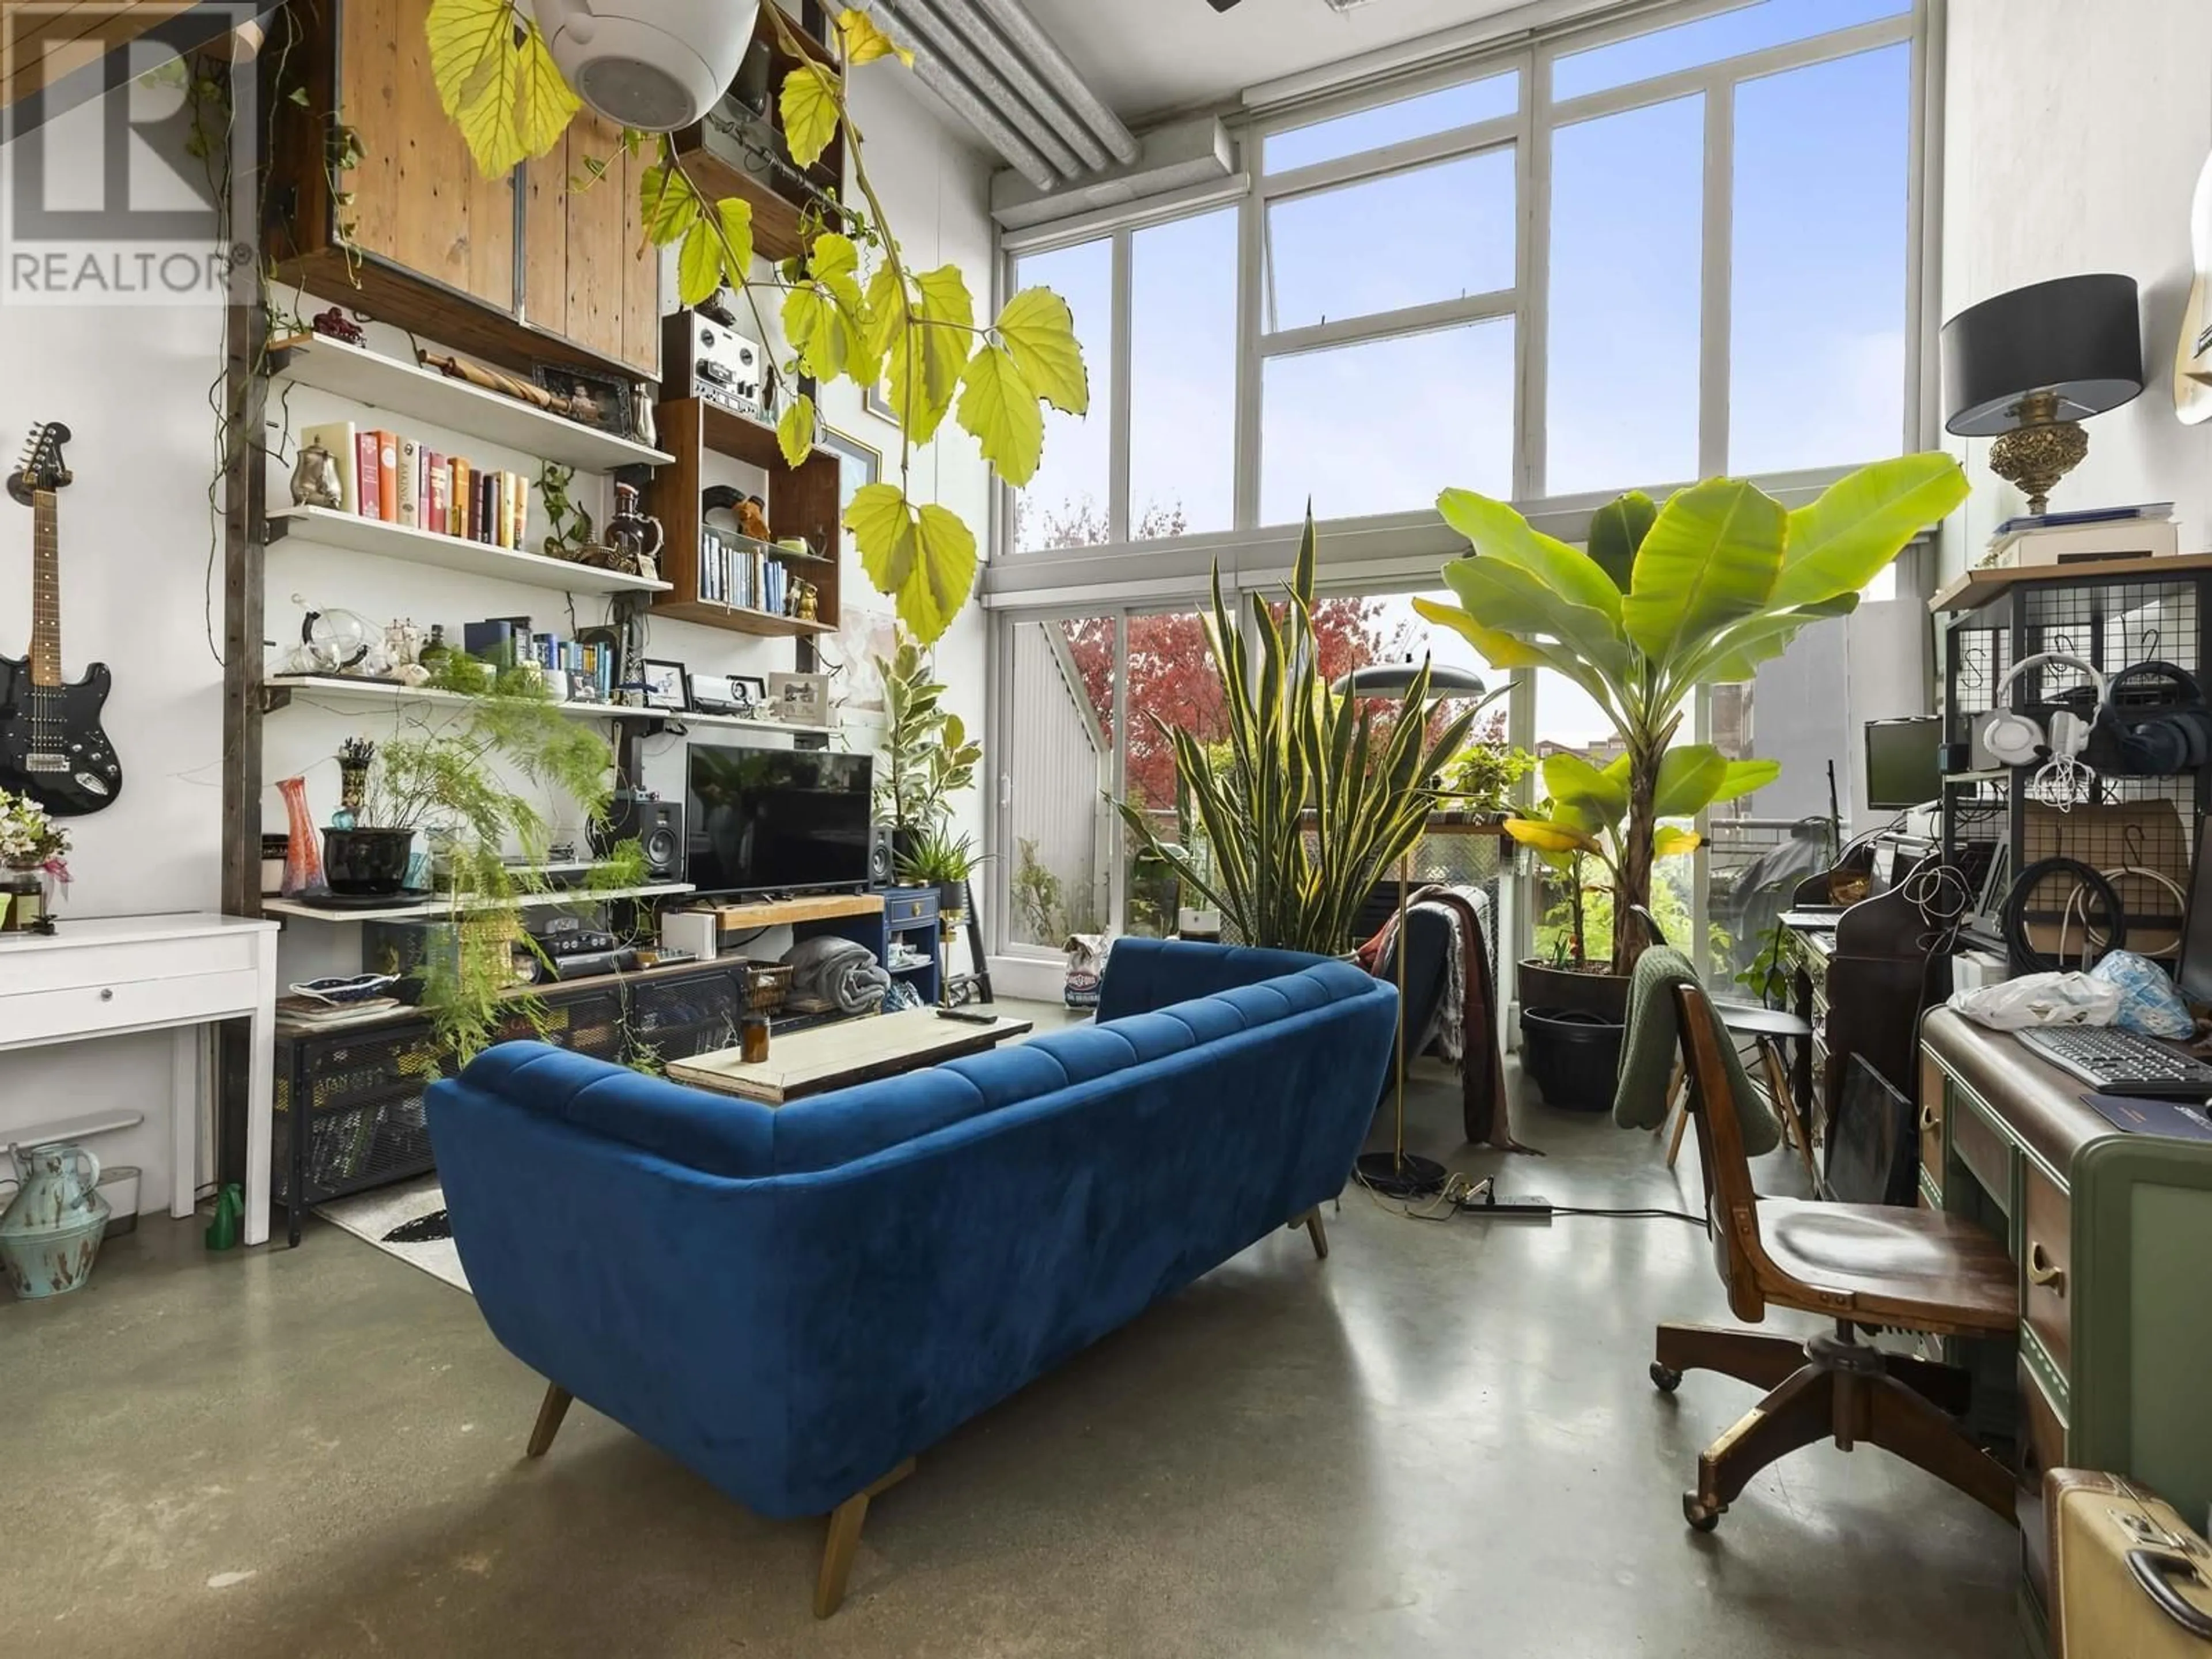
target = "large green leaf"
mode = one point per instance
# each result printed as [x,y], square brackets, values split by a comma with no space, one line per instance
[496,81]
[1039,329]
[1688,776]
[1498,650]
[810,109]
[1001,409]
[925,560]
[1500,532]
[1617,529]
[926,357]
[1510,600]
[1710,557]
[1736,653]
[1744,776]
[1860,523]
[864,42]
[1571,780]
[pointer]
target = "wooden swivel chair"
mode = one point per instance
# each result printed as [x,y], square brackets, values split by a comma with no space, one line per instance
[1863,1266]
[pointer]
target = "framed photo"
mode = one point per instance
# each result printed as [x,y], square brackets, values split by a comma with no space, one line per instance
[802,699]
[857,463]
[752,689]
[598,401]
[667,684]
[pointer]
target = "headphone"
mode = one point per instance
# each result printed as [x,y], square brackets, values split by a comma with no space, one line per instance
[2018,739]
[2164,729]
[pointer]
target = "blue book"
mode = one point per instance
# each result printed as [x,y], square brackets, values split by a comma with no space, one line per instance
[2151,1117]
[2087,515]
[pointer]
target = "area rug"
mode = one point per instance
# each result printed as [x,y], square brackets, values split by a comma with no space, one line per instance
[408,1221]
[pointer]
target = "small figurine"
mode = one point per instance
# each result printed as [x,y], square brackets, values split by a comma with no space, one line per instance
[403,643]
[334,325]
[643,426]
[315,477]
[752,518]
[804,596]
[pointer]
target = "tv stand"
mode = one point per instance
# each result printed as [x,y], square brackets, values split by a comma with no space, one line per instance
[788,912]
[872,919]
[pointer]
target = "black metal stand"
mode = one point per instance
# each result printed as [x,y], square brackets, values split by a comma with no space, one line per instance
[972,986]
[1401,1174]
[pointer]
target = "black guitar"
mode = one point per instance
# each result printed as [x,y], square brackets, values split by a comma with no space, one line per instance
[52,747]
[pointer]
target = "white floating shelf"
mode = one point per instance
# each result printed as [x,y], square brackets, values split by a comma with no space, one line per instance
[329,527]
[337,689]
[369,377]
[440,906]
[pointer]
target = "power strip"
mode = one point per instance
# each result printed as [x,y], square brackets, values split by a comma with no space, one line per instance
[1490,1204]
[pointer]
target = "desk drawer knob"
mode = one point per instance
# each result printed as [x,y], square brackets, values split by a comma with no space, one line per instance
[107,994]
[2042,1270]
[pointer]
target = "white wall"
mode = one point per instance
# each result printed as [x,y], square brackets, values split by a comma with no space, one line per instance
[2074,135]
[133,385]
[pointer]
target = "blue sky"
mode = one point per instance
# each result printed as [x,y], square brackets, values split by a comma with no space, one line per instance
[1817,277]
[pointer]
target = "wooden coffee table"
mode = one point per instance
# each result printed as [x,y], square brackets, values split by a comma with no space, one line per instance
[826,1057]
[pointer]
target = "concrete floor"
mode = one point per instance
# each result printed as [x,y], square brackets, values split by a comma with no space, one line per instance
[1439,1441]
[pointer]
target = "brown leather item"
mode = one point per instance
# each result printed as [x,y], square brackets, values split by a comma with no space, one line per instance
[1914,1270]
[2129,1578]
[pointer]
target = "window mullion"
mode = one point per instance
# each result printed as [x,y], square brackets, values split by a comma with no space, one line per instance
[1532,328]
[1714,280]
[1117,454]
[1251,230]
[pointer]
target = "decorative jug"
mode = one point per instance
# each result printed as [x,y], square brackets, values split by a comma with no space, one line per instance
[637,535]
[52,1228]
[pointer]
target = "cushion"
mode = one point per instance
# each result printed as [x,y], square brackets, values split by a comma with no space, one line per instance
[1209,1018]
[716,1134]
[848,1124]
[1154,1036]
[1086,1051]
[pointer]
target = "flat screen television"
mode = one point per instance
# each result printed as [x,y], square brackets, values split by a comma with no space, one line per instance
[776,820]
[1901,763]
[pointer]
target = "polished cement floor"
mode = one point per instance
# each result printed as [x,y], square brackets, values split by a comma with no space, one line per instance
[1439,1441]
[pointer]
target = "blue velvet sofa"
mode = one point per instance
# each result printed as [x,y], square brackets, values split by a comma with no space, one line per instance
[793,1301]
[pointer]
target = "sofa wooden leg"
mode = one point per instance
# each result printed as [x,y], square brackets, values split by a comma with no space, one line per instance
[844,1541]
[550,1414]
[1316,1232]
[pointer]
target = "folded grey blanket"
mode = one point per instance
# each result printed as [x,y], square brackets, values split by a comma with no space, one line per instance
[839,971]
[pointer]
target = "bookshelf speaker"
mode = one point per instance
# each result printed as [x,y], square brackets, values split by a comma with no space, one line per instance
[883,869]
[657,826]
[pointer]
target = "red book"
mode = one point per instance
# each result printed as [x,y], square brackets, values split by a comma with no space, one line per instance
[435,482]
[368,489]
[387,476]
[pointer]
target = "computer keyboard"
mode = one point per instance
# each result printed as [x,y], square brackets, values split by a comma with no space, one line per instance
[2121,1062]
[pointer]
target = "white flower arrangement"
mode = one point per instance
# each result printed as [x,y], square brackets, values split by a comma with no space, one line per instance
[29,839]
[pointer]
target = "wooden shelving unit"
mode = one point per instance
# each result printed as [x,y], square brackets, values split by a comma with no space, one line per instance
[441,905]
[331,528]
[370,377]
[802,501]
[749,162]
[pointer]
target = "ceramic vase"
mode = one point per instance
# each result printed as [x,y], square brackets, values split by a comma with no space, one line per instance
[52,1228]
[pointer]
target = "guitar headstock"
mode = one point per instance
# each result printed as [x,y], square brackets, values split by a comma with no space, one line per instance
[41,466]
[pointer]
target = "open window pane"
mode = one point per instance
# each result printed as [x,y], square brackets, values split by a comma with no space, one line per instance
[1171,679]
[1818,306]
[1622,354]
[1388,123]
[1182,376]
[1064,504]
[1406,239]
[1712,40]
[1381,427]
[1059,766]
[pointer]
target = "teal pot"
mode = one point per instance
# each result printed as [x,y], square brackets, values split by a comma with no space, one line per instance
[51,1232]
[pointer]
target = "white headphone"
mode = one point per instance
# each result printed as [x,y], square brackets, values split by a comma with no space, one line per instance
[2016,740]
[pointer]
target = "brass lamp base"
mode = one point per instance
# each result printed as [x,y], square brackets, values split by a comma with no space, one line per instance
[2040,451]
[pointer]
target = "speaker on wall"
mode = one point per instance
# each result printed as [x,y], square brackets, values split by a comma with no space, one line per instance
[882,868]
[656,825]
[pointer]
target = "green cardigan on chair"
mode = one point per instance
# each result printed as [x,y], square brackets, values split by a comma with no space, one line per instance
[1653,1044]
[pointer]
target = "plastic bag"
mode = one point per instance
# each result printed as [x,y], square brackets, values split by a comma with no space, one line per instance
[2148,1002]
[2040,999]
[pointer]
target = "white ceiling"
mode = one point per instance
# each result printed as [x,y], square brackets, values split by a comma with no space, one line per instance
[1147,57]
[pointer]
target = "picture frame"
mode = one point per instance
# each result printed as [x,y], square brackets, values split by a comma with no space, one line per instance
[667,684]
[858,464]
[802,699]
[610,396]
[752,688]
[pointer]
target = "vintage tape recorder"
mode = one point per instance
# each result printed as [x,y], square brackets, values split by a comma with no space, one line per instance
[704,353]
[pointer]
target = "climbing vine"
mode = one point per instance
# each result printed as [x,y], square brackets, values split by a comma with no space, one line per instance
[866,317]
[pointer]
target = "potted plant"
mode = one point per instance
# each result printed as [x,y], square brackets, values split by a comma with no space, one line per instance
[34,851]
[935,857]
[926,754]
[1666,599]
[1482,776]
[357,857]
[1308,803]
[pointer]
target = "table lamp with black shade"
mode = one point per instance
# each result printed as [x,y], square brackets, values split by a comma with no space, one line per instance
[1398,1173]
[2028,367]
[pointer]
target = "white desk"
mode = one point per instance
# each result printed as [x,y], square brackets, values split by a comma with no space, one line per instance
[118,974]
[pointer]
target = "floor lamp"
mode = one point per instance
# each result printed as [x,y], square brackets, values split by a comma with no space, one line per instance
[1397,1173]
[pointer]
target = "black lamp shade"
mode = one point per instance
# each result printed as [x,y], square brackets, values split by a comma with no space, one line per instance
[1394,679]
[2080,336]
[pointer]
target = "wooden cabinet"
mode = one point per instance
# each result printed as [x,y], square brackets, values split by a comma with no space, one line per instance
[528,268]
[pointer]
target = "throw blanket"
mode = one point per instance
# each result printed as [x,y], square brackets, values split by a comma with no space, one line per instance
[837,970]
[1466,1027]
[1653,1042]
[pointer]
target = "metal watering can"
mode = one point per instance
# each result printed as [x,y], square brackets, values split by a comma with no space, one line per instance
[50,1231]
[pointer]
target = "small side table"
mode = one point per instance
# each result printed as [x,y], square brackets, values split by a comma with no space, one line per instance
[117,975]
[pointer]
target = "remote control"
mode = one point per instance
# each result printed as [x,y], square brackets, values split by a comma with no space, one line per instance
[967,1019]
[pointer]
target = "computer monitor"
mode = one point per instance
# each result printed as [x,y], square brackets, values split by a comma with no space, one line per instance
[1901,762]
[2196,970]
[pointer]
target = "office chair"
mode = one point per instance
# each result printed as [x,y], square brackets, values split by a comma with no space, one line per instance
[1767,1029]
[1860,1265]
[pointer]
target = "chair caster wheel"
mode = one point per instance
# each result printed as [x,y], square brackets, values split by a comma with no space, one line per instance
[1664,1380]
[1700,1518]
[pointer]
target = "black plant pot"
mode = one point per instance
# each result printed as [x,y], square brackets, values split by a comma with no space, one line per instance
[1597,992]
[367,860]
[1573,1057]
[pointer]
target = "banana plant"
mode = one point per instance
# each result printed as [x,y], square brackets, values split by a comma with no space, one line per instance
[1666,599]
[1308,805]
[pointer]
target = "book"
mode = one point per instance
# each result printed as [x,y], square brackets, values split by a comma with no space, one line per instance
[410,482]
[338,437]
[437,481]
[480,507]
[2087,515]
[2151,1117]
[520,536]
[387,476]
[371,490]
[2128,539]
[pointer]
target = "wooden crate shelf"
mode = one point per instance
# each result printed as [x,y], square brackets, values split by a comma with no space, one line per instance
[740,619]
[723,162]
